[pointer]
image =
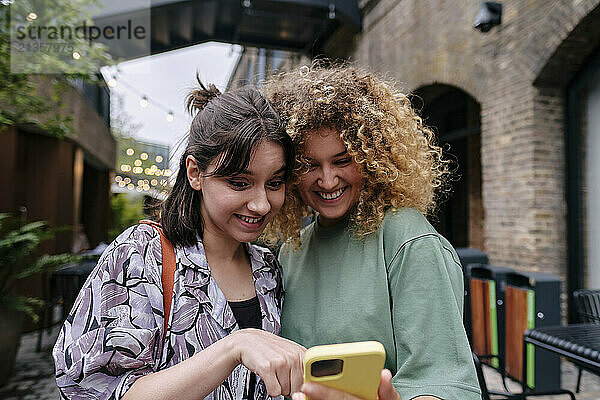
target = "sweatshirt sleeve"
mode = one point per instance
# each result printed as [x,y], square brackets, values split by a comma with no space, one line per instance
[112,336]
[433,354]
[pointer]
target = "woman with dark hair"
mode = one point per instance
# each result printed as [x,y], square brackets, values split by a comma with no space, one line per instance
[227,293]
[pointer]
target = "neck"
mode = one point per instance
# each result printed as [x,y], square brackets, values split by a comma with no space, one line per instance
[220,248]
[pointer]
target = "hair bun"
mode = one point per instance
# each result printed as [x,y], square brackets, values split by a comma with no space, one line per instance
[199,98]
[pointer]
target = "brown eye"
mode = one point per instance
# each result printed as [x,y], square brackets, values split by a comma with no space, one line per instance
[343,161]
[276,184]
[237,184]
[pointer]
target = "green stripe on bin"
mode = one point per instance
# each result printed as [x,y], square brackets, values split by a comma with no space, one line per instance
[494,323]
[530,347]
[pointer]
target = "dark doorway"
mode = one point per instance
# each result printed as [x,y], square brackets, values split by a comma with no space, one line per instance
[95,202]
[455,117]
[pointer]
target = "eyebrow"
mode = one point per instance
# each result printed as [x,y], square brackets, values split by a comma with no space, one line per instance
[341,153]
[280,170]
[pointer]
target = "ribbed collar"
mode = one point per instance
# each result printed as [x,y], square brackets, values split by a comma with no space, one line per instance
[333,230]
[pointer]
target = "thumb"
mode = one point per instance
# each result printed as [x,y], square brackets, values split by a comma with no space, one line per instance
[386,389]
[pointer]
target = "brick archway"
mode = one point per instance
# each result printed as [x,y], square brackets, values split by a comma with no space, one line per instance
[455,117]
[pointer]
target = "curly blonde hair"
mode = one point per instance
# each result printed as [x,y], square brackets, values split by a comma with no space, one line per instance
[401,164]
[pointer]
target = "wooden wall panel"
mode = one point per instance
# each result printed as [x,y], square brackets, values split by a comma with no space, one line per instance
[516,324]
[478,316]
[8,166]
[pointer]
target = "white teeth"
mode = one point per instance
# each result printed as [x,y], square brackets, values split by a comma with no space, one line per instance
[249,220]
[331,196]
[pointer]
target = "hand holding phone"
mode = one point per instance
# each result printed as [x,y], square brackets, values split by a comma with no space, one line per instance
[354,368]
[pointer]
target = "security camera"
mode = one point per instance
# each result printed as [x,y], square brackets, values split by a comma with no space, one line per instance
[489,15]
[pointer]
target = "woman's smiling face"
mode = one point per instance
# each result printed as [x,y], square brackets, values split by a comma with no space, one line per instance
[239,207]
[333,183]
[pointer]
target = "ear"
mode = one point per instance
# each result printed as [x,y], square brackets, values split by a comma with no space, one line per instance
[194,174]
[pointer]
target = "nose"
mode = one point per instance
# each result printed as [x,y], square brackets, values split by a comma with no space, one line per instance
[259,203]
[329,178]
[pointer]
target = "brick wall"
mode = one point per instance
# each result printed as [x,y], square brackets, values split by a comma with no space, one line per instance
[517,73]
[420,43]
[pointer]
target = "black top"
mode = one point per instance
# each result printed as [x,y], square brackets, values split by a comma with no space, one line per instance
[247,314]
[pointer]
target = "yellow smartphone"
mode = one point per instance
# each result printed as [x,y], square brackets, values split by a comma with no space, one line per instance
[354,368]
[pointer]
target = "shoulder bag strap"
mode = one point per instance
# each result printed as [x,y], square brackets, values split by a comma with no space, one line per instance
[168,269]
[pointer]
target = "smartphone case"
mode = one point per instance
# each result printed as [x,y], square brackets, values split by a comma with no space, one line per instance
[361,370]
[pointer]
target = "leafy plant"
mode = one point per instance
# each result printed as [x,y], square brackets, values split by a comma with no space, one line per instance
[126,210]
[33,94]
[17,245]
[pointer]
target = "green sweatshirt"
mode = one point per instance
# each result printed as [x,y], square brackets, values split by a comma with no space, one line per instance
[401,286]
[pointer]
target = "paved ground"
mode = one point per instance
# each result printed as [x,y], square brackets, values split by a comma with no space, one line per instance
[33,378]
[590,384]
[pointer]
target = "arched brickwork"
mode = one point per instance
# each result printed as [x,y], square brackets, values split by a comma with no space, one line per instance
[563,60]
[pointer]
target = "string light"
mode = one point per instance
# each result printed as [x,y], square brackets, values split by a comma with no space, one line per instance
[76,55]
[32,16]
[112,82]
[144,101]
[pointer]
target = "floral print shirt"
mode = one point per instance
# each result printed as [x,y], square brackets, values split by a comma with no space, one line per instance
[114,333]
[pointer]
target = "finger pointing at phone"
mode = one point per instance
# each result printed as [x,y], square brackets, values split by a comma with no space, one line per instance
[319,392]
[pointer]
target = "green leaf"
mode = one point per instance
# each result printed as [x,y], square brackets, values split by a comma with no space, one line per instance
[46,263]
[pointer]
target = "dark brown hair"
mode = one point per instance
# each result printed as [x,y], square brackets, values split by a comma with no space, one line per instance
[226,126]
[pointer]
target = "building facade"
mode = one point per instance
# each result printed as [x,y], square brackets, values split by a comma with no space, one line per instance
[64,181]
[518,109]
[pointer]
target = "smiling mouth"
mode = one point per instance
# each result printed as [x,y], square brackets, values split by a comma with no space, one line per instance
[331,195]
[250,220]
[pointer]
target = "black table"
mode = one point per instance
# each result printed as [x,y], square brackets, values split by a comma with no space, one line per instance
[67,281]
[579,343]
[65,284]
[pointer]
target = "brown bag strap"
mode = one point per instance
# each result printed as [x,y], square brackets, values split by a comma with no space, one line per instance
[168,268]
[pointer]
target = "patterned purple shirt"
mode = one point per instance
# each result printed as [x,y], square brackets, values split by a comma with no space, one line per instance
[113,335]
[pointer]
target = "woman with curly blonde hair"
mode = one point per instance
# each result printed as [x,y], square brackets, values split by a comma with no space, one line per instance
[370,267]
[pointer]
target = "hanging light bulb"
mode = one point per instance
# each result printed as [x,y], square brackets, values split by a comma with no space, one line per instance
[170,116]
[144,102]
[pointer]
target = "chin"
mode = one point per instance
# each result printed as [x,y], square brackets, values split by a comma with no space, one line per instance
[248,238]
